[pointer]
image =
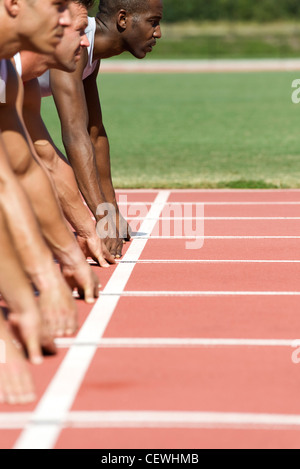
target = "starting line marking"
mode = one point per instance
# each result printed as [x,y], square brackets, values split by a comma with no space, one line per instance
[200,293]
[142,236]
[216,218]
[62,390]
[125,204]
[209,261]
[156,419]
[175,342]
[213,191]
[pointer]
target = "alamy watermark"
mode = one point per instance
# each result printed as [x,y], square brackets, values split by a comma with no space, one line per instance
[177,221]
[2,351]
[296,93]
[296,352]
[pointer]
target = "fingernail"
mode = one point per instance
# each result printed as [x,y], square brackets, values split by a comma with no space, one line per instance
[11,399]
[30,397]
[37,360]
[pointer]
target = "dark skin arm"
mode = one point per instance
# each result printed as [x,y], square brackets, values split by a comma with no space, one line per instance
[100,142]
[69,95]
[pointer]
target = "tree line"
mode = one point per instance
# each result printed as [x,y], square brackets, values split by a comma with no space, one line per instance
[231,10]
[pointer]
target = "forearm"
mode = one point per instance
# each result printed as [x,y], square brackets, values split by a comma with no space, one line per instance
[29,244]
[80,152]
[14,285]
[102,156]
[38,187]
[58,235]
[69,196]
[56,164]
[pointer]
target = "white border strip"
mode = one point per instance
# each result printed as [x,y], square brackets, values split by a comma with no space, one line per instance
[142,236]
[144,419]
[210,261]
[62,391]
[203,202]
[168,342]
[158,419]
[212,191]
[152,419]
[217,218]
[201,293]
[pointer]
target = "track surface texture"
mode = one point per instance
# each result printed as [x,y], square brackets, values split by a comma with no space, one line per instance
[192,341]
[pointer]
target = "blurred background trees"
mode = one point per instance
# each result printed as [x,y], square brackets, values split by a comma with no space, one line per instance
[231,29]
[232,10]
[228,10]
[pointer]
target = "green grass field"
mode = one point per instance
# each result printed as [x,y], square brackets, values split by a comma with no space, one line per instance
[199,130]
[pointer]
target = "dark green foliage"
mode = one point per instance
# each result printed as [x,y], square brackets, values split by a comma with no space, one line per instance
[232,10]
[243,10]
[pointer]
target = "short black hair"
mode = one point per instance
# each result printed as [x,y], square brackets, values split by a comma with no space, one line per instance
[109,8]
[86,3]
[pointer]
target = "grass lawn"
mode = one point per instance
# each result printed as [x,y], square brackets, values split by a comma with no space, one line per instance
[199,130]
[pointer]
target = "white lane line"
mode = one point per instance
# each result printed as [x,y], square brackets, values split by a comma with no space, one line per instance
[211,261]
[152,419]
[201,202]
[158,419]
[168,342]
[14,420]
[216,218]
[142,236]
[212,191]
[62,391]
[200,293]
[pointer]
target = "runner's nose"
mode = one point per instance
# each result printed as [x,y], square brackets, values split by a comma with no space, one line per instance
[157,33]
[65,17]
[84,42]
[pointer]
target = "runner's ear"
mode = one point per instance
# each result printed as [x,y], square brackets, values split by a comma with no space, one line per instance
[122,19]
[12,7]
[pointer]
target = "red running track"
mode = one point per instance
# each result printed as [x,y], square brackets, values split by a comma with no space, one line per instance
[186,348]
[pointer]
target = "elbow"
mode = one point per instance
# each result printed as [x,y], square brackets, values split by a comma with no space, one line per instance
[46,153]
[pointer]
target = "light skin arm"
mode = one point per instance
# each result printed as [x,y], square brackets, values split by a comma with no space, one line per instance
[57,306]
[38,186]
[14,285]
[69,95]
[63,177]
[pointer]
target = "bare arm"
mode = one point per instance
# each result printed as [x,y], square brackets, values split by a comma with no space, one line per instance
[56,303]
[38,186]
[14,285]
[62,174]
[100,142]
[69,95]
[98,135]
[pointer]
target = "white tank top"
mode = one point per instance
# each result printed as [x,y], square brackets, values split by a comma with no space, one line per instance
[3,79]
[44,80]
[90,33]
[18,63]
